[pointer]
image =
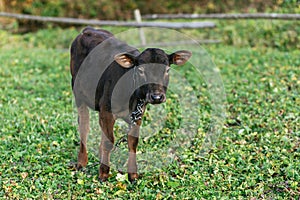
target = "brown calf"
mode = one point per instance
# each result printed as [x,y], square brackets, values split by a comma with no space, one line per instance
[117,81]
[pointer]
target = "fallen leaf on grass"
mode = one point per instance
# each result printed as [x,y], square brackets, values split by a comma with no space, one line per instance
[80,182]
[24,175]
[121,186]
[98,191]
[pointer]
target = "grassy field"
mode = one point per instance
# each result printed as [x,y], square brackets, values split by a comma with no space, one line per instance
[257,155]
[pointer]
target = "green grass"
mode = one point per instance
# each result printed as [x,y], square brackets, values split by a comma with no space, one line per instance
[256,156]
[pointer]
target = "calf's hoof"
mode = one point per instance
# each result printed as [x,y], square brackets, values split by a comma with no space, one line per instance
[103,172]
[132,177]
[79,166]
[82,160]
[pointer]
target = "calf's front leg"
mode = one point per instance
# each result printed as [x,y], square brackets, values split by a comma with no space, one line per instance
[84,126]
[106,121]
[133,138]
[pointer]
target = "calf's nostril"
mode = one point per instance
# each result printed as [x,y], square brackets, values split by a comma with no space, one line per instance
[156,97]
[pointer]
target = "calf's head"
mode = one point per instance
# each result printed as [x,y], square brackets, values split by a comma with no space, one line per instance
[151,71]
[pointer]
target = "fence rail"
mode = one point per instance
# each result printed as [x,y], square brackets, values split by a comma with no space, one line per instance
[225,16]
[189,25]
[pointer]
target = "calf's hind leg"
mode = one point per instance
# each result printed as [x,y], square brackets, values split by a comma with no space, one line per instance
[84,126]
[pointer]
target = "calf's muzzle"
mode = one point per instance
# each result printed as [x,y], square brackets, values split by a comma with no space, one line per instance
[156,98]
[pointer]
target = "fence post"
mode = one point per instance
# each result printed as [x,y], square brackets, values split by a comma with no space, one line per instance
[138,18]
[2,5]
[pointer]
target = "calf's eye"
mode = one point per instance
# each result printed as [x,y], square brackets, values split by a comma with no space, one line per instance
[168,69]
[141,70]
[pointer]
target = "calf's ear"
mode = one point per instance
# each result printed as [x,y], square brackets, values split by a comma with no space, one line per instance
[179,57]
[126,60]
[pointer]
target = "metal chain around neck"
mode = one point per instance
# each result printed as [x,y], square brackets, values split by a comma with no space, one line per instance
[138,112]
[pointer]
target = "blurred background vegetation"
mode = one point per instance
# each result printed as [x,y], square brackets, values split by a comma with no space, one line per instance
[122,9]
[280,34]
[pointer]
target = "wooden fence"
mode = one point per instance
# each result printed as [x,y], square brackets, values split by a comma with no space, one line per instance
[225,16]
[138,23]
[175,25]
